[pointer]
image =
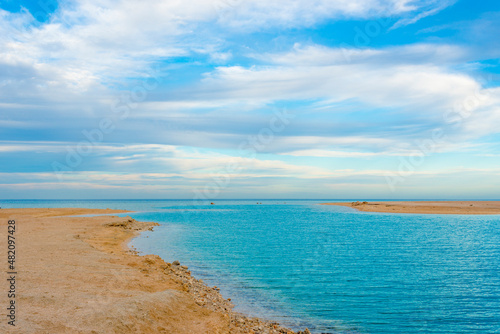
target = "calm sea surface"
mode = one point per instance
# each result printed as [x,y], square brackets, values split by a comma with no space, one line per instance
[330,268]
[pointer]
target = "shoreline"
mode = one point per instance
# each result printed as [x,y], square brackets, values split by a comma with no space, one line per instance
[426,207]
[84,268]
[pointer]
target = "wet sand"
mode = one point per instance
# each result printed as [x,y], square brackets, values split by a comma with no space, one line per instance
[428,207]
[77,275]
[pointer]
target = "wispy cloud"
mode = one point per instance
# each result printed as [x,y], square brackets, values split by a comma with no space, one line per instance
[428,8]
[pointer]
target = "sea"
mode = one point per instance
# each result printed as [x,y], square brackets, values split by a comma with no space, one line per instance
[329,268]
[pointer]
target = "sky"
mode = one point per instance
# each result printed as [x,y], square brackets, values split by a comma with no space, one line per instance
[207,99]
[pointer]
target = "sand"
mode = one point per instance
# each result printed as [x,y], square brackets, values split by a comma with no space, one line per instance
[77,275]
[428,207]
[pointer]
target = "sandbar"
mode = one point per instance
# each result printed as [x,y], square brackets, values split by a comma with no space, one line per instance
[426,207]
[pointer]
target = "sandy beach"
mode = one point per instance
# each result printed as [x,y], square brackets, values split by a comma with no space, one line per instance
[428,207]
[77,275]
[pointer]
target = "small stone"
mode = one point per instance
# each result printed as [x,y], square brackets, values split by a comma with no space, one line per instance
[176,263]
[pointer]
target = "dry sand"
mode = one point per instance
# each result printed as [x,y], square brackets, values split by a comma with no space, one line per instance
[430,207]
[77,275]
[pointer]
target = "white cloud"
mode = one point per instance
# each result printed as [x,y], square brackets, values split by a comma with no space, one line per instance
[256,14]
[415,84]
[425,88]
[317,55]
[332,154]
[428,8]
[87,42]
[335,184]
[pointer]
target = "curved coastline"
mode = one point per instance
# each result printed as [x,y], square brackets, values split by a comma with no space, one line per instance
[102,285]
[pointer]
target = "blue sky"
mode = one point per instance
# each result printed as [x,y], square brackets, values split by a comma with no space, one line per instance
[250,99]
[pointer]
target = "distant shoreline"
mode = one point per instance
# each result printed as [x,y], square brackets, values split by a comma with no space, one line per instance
[426,207]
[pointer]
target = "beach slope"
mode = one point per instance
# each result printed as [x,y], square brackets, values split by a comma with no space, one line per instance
[77,275]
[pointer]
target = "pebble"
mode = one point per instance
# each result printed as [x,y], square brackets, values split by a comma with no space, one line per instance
[210,298]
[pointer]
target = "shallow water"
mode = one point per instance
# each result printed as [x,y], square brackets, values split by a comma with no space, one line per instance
[330,268]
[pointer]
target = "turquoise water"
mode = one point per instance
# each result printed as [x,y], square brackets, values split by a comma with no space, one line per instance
[330,268]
